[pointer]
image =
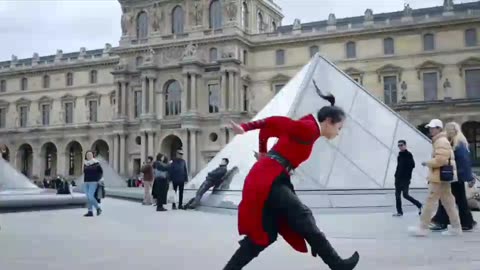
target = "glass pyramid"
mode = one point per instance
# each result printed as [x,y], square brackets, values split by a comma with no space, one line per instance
[363,156]
[110,177]
[11,179]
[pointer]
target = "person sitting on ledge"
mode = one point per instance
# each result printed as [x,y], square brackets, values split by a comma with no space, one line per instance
[214,179]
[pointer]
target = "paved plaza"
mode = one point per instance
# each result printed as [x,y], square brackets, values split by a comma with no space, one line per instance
[129,236]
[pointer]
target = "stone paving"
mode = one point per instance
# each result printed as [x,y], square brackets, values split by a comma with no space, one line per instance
[129,236]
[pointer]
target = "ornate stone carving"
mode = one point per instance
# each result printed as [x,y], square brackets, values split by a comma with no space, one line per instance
[231,11]
[14,58]
[368,15]
[150,57]
[407,11]
[447,86]
[35,57]
[404,88]
[197,13]
[331,19]
[297,25]
[82,53]
[126,21]
[171,55]
[190,51]
[448,5]
[157,18]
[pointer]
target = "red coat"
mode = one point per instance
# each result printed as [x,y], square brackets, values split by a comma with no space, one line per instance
[295,143]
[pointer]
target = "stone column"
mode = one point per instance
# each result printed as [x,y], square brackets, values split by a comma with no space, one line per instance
[161,104]
[123,153]
[193,92]
[238,91]
[61,162]
[144,95]
[37,162]
[143,147]
[231,91]
[185,94]
[117,100]
[116,152]
[151,146]
[124,99]
[152,96]
[112,153]
[193,152]
[223,94]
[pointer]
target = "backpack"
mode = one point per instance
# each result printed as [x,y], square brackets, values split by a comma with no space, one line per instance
[158,173]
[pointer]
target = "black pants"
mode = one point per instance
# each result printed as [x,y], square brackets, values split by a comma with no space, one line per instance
[402,187]
[458,191]
[179,188]
[283,202]
[206,185]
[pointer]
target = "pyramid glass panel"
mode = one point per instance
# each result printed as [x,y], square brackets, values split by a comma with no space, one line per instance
[346,175]
[11,179]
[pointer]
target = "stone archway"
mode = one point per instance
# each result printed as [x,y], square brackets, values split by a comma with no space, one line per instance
[170,145]
[101,149]
[423,129]
[49,155]
[5,152]
[74,158]
[471,130]
[25,159]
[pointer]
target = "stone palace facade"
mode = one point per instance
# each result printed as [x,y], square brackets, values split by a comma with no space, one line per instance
[183,69]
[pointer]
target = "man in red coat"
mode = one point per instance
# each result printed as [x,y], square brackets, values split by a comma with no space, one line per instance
[269,204]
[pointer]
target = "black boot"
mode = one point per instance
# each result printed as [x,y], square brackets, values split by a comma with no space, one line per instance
[244,254]
[160,208]
[88,214]
[321,247]
[174,206]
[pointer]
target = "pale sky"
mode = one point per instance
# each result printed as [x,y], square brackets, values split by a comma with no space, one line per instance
[43,26]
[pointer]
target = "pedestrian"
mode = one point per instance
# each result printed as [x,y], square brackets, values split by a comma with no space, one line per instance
[161,183]
[403,176]
[442,171]
[464,171]
[92,174]
[269,204]
[147,171]
[179,176]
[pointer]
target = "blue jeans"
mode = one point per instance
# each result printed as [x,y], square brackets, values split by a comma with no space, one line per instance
[90,188]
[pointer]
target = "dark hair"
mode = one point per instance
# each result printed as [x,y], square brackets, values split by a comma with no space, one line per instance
[402,142]
[335,113]
[226,159]
[159,157]
[89,151]
[150,158]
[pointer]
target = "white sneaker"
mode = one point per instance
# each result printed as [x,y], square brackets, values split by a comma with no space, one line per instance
[417,231]
[453,231]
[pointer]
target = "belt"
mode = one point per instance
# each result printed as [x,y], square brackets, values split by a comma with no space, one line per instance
[281,160]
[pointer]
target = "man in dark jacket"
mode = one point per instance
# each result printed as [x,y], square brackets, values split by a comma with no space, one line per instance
[403,175]
[179,176]
[214,179]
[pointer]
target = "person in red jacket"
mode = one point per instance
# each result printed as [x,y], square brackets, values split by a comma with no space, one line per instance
[269,204]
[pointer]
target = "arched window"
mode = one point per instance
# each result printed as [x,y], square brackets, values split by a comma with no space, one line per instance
[351,49]
[245,16]
[69,79]
[216,14]
[260,22]
[24,84]
[313,50]
[93,76]
[142,25]
[428,42]
[173,98]
[46,81]
[213,54]
[388,46]
[177,20]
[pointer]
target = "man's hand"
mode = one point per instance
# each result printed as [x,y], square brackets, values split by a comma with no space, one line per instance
[237,129]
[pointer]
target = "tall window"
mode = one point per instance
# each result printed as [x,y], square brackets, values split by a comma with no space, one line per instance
[139,61]
[3,117]
[213,54]
[173,99]
[71,161]
[93,76]
[23,116]
[245,57]
[24,84]
[138,104]
[472,83]
[216,14]
[69,79]
[260,23]
[3,86]
[245,98]
[390,89]
[471,37]
[388,46]
[245,15]
[313,50]
[93,110]
[45,114]
[280,57]
[177,20]
[46,81]
[213,98]
[472,132]
[274,26]
[68,113]
[351,48]
[430,86]
[142,25]
[428,42]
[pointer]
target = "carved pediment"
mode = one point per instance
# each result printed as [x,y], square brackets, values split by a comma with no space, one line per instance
[45,100]
[353,71]
[467,63]
[429,65]
[280,78]
[389,69]
[92,96]
[69,98]
[23,101]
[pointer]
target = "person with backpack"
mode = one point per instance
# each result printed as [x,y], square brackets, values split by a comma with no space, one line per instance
[160,184]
